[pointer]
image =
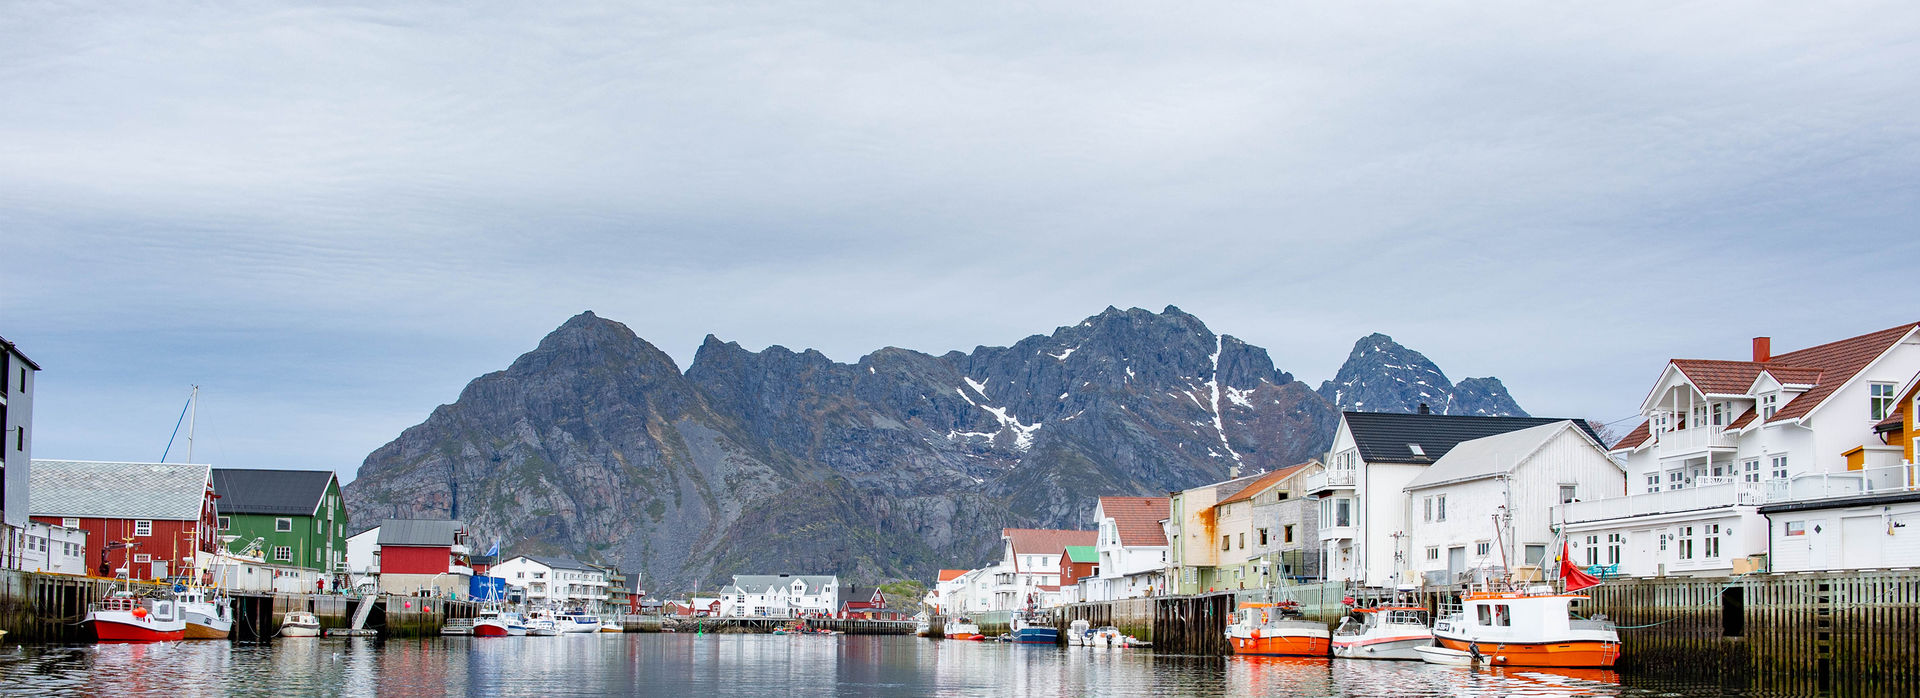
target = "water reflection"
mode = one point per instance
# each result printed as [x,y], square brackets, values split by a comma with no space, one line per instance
[754,665]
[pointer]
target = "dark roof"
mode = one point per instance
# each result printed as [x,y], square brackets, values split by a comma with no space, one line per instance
[418,532]
[1840,502]
[15,348]
[562,563]
[1383,437]
[279,492]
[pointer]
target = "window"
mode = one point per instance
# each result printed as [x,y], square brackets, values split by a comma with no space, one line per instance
[1286,533]
[1502,615]
[1482,548]
[1653,482]
[1769,404]
[142,557]
[316,553]
[143,527]
[1226,542]
[1566,493]
[226,523]
[283,525]
[1720,410]
[1485,615]
[1593,550]
[1440,508]
[1676,479]
[1686,542]
[1427,502]
[1615,541]
[1536,553]
[1263,537]
[1750,470]
[70,522]
[1433,553]
[1879,400]
[1699,416]
[1796,528]
[1710,543]
[1243,540]
[1779,464]
[282,553]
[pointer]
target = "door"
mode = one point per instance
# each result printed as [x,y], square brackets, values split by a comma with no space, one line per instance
[1456,563]
[159,570]
[1641,545]
[1861,540]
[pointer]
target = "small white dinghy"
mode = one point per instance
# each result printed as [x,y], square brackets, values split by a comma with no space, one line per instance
[1448,656]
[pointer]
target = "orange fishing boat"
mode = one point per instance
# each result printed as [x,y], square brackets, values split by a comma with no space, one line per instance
[1276,630]
[1534,628]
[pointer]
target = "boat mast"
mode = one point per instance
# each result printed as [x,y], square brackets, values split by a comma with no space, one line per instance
[193,405]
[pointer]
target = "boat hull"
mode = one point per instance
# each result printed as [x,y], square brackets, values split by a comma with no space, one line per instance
[490,630]
[1572,653]
[1037,636]
[106,630]
[1401,648]
[299,631]
[196,631]
[1280,645]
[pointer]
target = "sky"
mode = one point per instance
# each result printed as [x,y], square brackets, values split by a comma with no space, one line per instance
[330,218]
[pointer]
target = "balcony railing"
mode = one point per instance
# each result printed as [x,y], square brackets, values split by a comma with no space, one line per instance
[1693,441]
[1689,499]
[1330,478]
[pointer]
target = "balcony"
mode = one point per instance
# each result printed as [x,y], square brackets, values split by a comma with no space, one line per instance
[1693,442]
[1330,479]
[1904,477]
[1706,496]
[1336,532]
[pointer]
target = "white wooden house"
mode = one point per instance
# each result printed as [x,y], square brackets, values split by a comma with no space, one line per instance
[1733,454]
[780,596]
[1486,504]
[1132,549]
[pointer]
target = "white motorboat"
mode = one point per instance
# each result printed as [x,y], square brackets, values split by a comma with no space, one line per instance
[300,624]
[209,614]
[576,622]
[1107,636]
[1385,632]
[1079,633]
[923,628]
[611,626]
[963,629]
[1435,654]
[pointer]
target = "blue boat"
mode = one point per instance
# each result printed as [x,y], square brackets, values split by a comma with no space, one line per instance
[1034,629]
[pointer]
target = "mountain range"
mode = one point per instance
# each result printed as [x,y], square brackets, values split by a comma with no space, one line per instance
[597,446]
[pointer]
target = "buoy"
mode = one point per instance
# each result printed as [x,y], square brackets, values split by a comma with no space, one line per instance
[140,613]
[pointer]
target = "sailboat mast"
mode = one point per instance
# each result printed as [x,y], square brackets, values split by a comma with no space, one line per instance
[193,405]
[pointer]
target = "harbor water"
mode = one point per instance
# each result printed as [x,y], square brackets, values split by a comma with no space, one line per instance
[691,665]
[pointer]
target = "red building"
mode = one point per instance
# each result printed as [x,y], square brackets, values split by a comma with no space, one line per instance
[870,606]
[149,520]
[423,556]
[1078,562]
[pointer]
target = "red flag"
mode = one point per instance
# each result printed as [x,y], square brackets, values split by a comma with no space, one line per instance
[1570,573]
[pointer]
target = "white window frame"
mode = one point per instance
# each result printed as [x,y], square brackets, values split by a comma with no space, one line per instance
[1777,466]
[1710,541]
[143,558]
[143,527]
[1750,470]
[224,523]
[1568,493]
[1653,482]
[70,522]
[1440,508]
[1769,405]
[283,553]
[1433,552]
[283,525]
[1880,400]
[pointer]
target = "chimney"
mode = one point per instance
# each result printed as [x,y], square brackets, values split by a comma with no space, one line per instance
[1762,349]
[1424,409]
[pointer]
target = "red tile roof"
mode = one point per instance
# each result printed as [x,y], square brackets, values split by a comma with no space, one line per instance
[950,575]
[1138,519]
[1261,484]
[1046,541]
[1743,420]
[1634,438]
[1838,363]
[1825,367]
[1720,377]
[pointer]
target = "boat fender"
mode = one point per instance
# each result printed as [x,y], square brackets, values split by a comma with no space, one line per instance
[1256,633]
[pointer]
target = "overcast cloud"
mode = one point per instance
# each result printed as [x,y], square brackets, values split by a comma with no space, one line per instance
[333,217]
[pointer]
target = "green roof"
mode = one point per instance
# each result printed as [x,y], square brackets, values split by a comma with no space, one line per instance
[1082,553]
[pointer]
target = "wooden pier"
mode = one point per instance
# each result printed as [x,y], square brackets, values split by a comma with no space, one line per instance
[37,607]
[768,625]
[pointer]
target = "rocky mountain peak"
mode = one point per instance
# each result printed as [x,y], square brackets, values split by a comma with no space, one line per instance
[1381,375]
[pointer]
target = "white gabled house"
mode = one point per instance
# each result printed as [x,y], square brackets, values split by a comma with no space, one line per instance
[1132,549]
[1770,463]
[1362,522]
[1485,505]
[1030,560]
[780,596]
[556,582]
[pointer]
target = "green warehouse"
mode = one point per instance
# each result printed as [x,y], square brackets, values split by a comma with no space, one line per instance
[295,516]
